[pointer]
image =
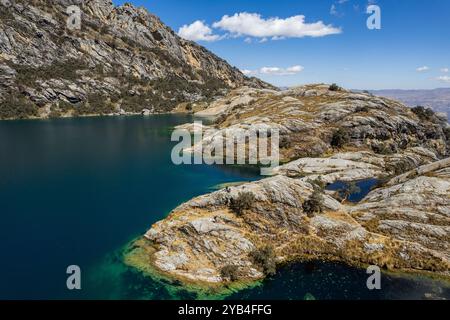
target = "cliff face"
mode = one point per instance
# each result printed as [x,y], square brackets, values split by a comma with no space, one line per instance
[403,224]
[123,59]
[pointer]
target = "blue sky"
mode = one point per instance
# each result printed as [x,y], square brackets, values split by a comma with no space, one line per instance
[411,51]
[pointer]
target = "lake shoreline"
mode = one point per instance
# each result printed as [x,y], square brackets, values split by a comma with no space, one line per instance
[98,115]
[142,262]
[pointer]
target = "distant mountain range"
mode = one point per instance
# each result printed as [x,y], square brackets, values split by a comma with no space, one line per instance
[437,99]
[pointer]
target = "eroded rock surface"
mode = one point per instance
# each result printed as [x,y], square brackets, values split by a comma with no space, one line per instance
[309,117]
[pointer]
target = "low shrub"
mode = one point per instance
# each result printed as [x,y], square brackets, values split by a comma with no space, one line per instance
[230,273]
[349,189]
[340,138]
[264,258]
[318,183]
[423,113]
[314,204]
[447,133]
[27,75]
[220,119]
[17,107]
[385,149]
[65,106]
[399,167]
[285,142]
[243,202]
[362,109]
[334,87]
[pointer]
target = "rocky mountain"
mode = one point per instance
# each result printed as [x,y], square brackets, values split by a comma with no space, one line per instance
[241,233]
[310,117]
[123,59]
[437,99]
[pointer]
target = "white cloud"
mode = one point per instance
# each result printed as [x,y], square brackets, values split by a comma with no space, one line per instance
[337,8]
[247,72]
[253,25]
[275,71]
[270,70]
[422,69]
[444,79]
[333,10]
[197,31]
[295,69]
[444,70]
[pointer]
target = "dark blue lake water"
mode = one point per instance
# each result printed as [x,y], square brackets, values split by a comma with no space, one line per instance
[75,191]
[364,186]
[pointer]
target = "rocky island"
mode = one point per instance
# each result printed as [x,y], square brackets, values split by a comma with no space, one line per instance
[328,134]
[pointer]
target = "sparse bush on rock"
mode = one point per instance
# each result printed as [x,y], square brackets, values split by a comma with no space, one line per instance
[423,113]
[447,133]
[400,167]
[385,149]
[340,138]
[230,273]
[220,119]
[349,189]
[65,106]
[362,109]
[285,142]
[334,87]
[264,258]
[318,183]
[243,202]
[28,76]
[17,107]
[314,204]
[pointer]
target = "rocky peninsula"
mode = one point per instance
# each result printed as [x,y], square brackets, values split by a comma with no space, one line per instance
[241,233]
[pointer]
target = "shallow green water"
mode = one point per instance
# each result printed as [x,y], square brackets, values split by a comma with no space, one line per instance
[76,191]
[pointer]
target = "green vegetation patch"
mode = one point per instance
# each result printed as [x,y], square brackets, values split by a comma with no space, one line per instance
[28,76]
[17,107]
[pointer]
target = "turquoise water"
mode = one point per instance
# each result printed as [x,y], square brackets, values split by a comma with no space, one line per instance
[76,191]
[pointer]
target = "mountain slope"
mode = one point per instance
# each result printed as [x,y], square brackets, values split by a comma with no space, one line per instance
[437,99]
[310,116]
[124,59]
